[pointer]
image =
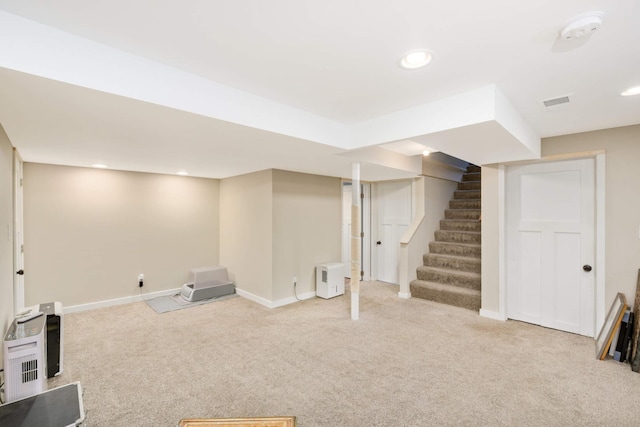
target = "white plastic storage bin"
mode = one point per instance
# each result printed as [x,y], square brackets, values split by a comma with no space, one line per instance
[330,280]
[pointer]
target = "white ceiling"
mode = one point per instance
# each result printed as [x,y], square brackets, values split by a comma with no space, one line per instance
[223,88]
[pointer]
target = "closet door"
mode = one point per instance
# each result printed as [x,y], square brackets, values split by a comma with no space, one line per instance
[550,245]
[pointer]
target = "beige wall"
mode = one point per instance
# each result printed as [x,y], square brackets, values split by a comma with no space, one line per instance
[622,212]
[246,231]
[90,232]
[275,225]
[490,242]
[6,233]
[306,229]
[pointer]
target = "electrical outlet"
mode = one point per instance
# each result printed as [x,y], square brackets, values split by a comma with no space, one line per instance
[140,279]
[295,280]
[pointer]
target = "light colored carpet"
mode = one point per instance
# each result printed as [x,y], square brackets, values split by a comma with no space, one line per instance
[167,303]
[404,363]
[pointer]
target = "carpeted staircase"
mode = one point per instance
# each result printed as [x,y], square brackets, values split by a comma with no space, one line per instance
[451,270]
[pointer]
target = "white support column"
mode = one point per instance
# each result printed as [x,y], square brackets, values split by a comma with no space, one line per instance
[355,242]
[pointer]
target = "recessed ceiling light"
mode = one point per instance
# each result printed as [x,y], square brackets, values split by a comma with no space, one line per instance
[631,91]
[183,173]
[416,59]
[99,166]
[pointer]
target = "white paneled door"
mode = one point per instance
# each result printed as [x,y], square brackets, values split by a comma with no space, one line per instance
[394,217]
[365,253]
[550,245]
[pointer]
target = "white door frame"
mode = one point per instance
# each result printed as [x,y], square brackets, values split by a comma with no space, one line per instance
[599,156]
[366,228]
[18,233]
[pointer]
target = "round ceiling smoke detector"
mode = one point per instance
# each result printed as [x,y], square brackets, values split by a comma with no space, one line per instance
[582,26]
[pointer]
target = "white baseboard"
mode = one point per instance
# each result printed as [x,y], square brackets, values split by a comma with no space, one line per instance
[404,295]
[254,298]
[126,300]
[118,301]
[273,304]
[492,315]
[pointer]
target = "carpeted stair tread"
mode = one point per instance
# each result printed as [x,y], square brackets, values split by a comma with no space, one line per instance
[453,262]
[444,294]
[458,249]
[470,185]
[466,195]
[472,176]
[471,214]
[460,225]
[464,204]
[464,279]
[456,236]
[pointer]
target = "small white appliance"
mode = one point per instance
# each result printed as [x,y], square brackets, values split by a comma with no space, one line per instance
[55,337]
[24,358]
[329,280]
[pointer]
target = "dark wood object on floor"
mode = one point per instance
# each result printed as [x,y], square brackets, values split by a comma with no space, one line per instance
[634,357]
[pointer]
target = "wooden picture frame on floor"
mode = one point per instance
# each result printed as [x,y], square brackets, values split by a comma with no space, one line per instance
[611,325]
[634,357]
[239,422]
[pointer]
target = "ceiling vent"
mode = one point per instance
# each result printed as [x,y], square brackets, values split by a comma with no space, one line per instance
[556,101]
[559,103]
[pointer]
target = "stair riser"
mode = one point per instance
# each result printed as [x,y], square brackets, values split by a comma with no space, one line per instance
[448,278]
[464,204]
[471,177]
[466,195]
[457,237]
[457,250]
[473,214]
[471,265]
[460,225]
[469,185]
[471,302]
